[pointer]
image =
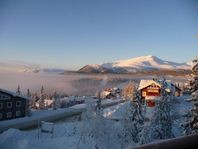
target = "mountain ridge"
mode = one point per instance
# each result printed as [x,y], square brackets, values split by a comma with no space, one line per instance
[142,63]
[132,65]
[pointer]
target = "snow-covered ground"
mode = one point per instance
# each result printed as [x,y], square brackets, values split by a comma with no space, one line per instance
[72,135]
[116,112]
[180,107]
[49,115]
[66,135]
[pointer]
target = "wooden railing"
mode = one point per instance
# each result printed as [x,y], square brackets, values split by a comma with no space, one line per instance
[185,142]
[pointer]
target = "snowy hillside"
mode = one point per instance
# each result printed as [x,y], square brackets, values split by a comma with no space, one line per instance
[142,63]
[15,66]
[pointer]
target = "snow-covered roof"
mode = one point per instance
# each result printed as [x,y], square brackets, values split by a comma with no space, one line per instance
[145,83]
[13,94]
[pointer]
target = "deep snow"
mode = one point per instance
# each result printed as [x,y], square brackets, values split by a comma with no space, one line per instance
[69,134]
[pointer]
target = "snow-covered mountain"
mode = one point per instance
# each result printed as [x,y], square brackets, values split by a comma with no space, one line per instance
[15,66]
[142,63]
[95,68]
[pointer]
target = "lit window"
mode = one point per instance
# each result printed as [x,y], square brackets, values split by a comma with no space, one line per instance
[1,116]
[144,94]
[18,113]
[1,105]
[18,104]
[9,114]
[9,104]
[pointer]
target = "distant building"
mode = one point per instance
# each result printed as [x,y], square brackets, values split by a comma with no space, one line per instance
[12,105]
[47,103]
[110,93]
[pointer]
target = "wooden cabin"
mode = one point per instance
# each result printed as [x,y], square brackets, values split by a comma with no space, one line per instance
[12,105]
[150,90]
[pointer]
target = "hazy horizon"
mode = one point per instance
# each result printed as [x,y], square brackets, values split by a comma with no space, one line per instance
[22,64]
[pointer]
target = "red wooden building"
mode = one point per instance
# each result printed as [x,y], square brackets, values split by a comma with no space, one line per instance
[150,90]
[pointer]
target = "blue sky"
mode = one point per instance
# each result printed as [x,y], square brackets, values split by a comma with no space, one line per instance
[71,33]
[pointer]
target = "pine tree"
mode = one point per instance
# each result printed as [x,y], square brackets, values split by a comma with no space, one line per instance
[42,99]
[132,121]
[146,134]
[42,92]
[29,96]
[28,93]
[161,123]
[18,90]
[191,124]
[55,101]
[94,126]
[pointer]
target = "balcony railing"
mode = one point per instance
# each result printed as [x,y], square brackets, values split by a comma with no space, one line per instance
[185,142]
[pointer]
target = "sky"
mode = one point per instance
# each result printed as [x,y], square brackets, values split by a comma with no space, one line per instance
[72,33]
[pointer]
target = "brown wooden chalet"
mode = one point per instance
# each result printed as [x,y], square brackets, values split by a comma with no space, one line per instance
[12,105]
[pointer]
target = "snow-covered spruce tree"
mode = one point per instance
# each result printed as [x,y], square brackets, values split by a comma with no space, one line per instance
[191,124]
[161,123]
[132,121]
[145,134]
[94,127]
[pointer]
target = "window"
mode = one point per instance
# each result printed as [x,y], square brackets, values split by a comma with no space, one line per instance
[9,114]
[144,94]
[18,113]
[18,104]
[1,116]
[1,105]
[9,104]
